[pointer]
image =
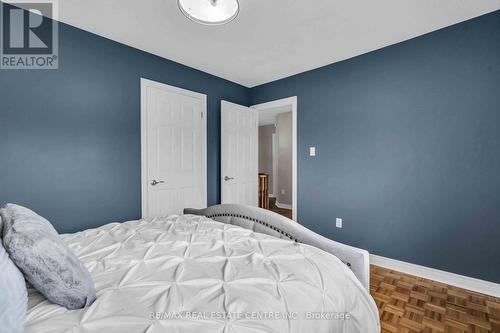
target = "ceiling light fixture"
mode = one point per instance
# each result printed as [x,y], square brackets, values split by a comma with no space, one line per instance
[210,12]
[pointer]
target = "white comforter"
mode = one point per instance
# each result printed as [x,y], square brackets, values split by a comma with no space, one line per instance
[191,274]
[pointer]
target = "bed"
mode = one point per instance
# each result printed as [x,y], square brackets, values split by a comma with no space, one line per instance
[227,268]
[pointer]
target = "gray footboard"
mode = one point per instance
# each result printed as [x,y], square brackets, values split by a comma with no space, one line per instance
[267,222]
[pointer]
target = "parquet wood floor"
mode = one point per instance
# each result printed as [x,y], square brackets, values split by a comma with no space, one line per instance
[409,304]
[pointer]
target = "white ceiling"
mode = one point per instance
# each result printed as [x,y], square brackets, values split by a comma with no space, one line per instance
[270,39]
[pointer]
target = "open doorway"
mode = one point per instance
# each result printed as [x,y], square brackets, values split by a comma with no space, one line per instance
[277,151]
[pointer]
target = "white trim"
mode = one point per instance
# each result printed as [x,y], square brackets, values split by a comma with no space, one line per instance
[464,282]
[282,206]
[284,102]
[144,164]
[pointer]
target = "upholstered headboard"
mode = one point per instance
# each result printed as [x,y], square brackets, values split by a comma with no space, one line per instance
[267,222]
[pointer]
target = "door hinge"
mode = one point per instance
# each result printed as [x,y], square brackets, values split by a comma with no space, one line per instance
[202,114]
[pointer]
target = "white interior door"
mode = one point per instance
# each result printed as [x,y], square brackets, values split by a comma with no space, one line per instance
[239,154]
[173,125]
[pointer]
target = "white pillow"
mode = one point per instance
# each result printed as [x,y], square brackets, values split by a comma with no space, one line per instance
[13,294]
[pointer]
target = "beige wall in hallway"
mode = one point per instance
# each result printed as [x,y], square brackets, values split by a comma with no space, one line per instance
[266,152]
[284,172]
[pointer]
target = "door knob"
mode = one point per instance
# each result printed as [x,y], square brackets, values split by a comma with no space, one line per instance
[228,178]
[156,182]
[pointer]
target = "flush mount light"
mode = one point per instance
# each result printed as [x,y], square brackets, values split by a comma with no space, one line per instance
[210,12]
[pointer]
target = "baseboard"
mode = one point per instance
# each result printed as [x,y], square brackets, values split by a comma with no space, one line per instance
[464,282]
[282,206]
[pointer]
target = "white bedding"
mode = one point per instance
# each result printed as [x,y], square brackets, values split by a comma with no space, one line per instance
[191,274]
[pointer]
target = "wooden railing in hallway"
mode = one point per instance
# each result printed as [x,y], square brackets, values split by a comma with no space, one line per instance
[264,190]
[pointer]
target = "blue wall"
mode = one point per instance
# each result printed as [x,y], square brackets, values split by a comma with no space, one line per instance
[70,138]
[407,137]
[408,148]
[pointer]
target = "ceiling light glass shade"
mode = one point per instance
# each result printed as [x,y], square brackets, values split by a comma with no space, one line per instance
[210,12]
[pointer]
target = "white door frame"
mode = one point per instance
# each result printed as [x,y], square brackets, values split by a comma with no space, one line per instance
[144,160]
[279,103]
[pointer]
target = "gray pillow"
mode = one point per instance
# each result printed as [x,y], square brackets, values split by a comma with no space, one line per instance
[13,294]
[46,261]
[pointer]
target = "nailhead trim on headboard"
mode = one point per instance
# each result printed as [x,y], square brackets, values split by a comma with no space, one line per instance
[264,224]
[254,220]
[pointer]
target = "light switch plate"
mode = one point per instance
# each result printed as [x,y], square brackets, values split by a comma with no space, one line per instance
[312,151]
[338,222]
